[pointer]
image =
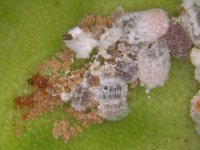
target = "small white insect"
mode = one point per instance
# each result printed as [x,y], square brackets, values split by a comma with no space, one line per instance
[65,97]
[112,98]
[195,56]
[110,37]
[195,59]
[154,65]
[144,26]
[197,74]
[82,43]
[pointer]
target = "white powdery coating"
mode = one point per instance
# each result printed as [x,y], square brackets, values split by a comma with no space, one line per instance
[195,114]
[188,5]
[103,52]
[197,74]
[110,37]
[75,32]
[111,95]
[82,43]
[144,26]
[154,65]
[195,56]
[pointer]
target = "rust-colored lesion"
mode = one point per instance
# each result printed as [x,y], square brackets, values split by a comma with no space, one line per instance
[21,102]
[62,129]
[39,81]
[45,96]
[42,103]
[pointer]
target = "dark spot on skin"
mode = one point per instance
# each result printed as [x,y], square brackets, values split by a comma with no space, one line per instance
[136,39]
[39,81]
[105,87]
[67,36]
[149,46]
[125,22]
[133,57]
[185,140]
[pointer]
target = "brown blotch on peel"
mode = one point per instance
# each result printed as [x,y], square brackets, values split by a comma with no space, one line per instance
[67,36]
[38,81]
[21,102]
[42,103]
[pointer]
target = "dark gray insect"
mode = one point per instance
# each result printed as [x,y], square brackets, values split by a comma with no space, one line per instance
[178,40]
